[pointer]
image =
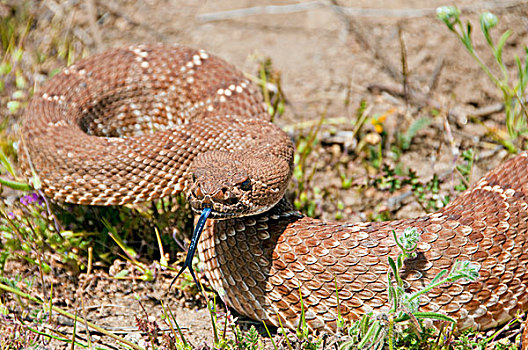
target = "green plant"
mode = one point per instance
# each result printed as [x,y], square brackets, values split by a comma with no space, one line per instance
[28,232]
[426,194]
[304,337]
[269,80]
[13,31]
[374,331]
[371,142]
[16,183]
[302,173]
[513,92]
[465,170]
[251,340]
[405,138]
[130,255]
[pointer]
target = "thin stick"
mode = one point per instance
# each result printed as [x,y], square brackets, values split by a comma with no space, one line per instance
[258,10]
[92,18]
[433,81]
[366,41]
[405,71]
[349,11]
[114,10]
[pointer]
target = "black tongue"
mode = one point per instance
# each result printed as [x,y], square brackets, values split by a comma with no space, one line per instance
[192,247]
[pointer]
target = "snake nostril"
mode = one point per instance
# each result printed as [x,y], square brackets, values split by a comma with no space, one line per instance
[220,195]
[198,192]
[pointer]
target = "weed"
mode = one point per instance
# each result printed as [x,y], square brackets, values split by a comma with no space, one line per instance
[361,117]
[340,206]
[465,170]
[426,194]
[513,92]
[49,310]
[269,80]
[28,232]
[304,337]
[404,139]
[302,173]
[374,331]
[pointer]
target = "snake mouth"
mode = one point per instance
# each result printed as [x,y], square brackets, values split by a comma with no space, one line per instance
[218,215]
[219,211]
[215,214]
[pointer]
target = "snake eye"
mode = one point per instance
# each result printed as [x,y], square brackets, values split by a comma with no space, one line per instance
[194,178]
[245,185]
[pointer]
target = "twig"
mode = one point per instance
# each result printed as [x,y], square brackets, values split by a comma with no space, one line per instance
[416,98]
[349,11]
[405,72]
[455,152]
[365,41]
[462,178]
[410,13]
[51,214]
[488,110]
[113,9]
[92,18]
[433,81]
[306,124]
[258,10]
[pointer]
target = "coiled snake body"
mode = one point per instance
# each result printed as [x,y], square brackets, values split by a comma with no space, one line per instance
[135,124]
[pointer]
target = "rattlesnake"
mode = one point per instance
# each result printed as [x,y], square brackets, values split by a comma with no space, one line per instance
[138,123]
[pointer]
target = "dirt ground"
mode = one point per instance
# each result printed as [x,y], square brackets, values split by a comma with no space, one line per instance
[329,62]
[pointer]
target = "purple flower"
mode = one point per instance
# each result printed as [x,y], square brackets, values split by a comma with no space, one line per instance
[37,198]
[11,215]
[32,198]
[24,200]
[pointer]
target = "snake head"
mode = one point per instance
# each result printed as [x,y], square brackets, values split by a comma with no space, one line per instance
[229,184]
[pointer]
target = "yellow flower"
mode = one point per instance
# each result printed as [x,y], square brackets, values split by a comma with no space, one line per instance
[378,122]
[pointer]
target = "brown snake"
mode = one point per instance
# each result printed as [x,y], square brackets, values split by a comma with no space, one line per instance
[135,124]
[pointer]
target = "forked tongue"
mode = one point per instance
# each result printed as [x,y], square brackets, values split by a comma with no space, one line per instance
[192,247]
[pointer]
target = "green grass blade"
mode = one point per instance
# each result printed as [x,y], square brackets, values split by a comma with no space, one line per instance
[269,335]
[500,45]
[430,315]
[7,164]
[16,185]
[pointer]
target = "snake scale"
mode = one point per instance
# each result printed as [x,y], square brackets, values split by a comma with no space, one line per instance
[139,123]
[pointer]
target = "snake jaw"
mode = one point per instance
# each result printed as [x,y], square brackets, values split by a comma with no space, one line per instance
[224,203]
[222,212]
